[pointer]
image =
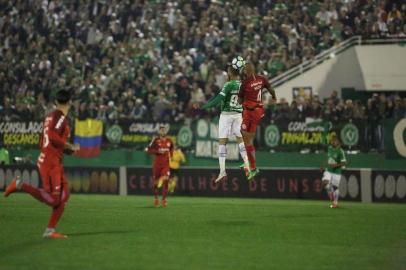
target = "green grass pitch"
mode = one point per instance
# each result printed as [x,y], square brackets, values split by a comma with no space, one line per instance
[112,232]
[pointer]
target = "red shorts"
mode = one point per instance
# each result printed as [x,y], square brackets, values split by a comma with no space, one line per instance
[158,171]
[251,119]
[53,178]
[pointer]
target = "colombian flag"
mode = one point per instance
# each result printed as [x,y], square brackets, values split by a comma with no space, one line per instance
[88,133]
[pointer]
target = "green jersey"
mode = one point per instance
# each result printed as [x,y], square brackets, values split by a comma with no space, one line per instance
[335,155]
[230,93]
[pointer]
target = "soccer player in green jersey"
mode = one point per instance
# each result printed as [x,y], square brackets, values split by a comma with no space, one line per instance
[230,120]
[336,161]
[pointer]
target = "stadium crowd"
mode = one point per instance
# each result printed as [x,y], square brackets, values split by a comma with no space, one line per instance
[138,59]
[334,109]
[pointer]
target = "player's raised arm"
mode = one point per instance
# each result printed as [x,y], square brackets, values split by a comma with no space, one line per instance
[70,148]
[269,88]
[213,102]
[152,148]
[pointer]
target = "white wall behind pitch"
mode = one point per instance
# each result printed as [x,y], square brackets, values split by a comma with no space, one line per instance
[383,67]
[371,67]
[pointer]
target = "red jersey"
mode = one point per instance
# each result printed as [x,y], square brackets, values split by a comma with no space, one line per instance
[251,90]
[162,148]
[54,137]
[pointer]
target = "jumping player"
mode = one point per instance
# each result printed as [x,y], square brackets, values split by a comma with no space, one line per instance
[250,96]
[336,161]
[230,120]
[162,148]
[53,144]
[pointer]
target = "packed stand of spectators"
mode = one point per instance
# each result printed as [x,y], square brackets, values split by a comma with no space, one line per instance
[334,109]
[139,59]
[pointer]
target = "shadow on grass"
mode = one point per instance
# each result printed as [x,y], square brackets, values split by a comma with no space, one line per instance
[148,207]
[297,215]
[76,234]
[231,223]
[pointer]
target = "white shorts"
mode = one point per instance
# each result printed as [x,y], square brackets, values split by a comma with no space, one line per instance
[332,178]
[229,125]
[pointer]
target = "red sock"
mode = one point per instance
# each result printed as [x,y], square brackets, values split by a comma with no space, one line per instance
[165,189]
[56,215]
[251,156]
[155,190]
[57,211]
[38,194]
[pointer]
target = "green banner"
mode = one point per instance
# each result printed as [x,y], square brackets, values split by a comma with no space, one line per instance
[20,133]
[314,133]
[207,140]
[139,134]
[395,138]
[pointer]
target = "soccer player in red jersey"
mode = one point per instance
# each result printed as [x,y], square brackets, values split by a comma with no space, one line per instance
[53,144]
[250,96]
[162,148]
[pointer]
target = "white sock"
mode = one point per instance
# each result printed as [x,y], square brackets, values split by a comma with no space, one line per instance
[336,193]
[222,157]
[243,153]
[48,231]
[330,188]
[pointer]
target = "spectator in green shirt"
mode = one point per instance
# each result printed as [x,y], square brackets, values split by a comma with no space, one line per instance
[4,157]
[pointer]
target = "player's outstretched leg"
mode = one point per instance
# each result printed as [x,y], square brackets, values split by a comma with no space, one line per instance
[37,193]
[46,198]
[56,214]
[251,156]
[14,185]
[253,166]
[222,152]
[249,146]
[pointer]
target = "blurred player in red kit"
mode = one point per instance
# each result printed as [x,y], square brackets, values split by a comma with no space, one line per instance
[250,96]
[162,148]
[53,144]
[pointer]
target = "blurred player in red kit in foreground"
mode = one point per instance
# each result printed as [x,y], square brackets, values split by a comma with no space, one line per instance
[250,96]
[53,144]
[162,148]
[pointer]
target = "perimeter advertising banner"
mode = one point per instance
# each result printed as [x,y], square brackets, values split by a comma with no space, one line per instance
[295,184]
[388,186]
[28,173]
[206,144]
[139,134]
[395,138]
[20,133]
[86,180]
[81,179]
[313,133]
